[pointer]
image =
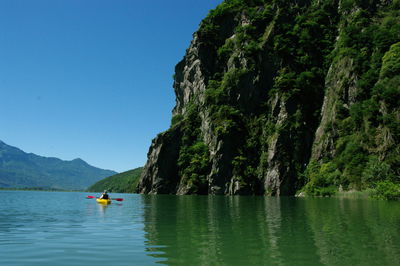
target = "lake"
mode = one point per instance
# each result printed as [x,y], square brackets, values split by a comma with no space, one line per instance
[65,228]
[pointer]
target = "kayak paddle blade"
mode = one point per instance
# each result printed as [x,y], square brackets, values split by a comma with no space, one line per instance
[118,199]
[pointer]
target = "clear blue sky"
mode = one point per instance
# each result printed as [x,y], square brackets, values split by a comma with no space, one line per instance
[91,79]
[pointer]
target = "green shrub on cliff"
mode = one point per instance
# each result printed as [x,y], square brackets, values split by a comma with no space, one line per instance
[193,161]
[387,190]
[323,180]
[194,165]
[391,62]
[376,171]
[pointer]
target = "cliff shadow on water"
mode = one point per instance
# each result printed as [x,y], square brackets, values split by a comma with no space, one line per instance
[273,98]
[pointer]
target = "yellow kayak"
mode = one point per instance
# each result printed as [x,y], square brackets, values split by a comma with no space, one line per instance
[103,201]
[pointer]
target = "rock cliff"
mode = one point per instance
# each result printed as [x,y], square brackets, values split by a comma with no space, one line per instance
[272,98]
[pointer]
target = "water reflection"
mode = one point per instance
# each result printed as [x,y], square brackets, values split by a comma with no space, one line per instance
[102,209]
[217,230]
[361,232]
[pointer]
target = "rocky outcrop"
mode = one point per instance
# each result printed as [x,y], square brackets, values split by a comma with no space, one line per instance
[264,89]
[162,170]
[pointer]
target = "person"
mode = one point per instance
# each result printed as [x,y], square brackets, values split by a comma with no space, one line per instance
[104,195]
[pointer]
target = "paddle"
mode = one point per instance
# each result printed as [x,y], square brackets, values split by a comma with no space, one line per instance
[93,197]
[118,199]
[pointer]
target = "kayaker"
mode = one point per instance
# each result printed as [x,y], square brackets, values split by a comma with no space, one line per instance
[104,195]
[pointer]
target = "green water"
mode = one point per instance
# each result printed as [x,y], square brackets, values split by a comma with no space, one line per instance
[57,228]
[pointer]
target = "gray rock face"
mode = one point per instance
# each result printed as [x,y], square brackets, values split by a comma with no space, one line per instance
[160,172]
[261,113]
[193,73]
[189,78]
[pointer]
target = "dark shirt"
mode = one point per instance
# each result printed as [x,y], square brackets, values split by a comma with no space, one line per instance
[104,196]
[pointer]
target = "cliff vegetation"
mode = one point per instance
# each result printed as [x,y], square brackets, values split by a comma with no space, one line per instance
[276,97]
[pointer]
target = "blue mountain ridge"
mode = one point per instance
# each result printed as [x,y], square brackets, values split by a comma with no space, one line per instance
[19,169]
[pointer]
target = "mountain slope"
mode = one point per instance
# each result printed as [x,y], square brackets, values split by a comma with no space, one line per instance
[125,182]
[273,97]
[20,169]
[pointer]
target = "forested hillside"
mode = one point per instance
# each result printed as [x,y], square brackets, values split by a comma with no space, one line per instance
[125,182]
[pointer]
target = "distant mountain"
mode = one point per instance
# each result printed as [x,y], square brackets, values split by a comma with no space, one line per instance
[125,182]
[20,169]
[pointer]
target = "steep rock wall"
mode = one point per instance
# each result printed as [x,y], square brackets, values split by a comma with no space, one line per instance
[259,94]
